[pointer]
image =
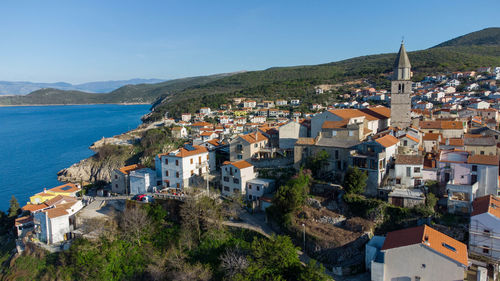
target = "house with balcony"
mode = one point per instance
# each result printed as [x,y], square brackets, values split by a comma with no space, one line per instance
[373,157]
[248,146]
[484,228]
[56,224]
[183,167]
[460,170]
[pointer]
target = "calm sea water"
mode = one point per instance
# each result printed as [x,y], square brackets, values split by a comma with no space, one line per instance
[38,141]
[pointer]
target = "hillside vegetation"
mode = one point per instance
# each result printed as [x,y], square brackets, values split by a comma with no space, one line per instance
[487,36]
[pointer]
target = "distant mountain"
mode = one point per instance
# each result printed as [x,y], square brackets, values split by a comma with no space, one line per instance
[487,36]
[24,88]
[140,93]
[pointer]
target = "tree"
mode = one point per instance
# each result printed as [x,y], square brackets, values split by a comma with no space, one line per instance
[355,180]
[136,224]
[317,161]
[14,208]
[291,196]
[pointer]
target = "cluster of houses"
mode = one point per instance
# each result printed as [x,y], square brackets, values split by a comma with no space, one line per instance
[448,138]
[50,216]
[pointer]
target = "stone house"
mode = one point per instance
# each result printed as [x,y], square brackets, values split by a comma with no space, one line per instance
[484,228]
[290,133]
[245,147]
[120,182]
[408,171]
[179,132]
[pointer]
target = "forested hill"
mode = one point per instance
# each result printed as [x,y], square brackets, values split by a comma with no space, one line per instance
[487,36]
[187,95]
[299,82]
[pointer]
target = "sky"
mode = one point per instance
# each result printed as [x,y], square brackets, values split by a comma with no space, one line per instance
[95,40]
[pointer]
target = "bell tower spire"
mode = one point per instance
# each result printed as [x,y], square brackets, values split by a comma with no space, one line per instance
[401,90]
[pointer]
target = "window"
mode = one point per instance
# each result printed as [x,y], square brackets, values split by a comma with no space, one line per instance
[486,249]
[334,133]
[192,172]
[178,185]
[236,180]
[258,188]
[240,156]
[249,186]
[191,160]
[408,171]
[482,152]
[176,174]
[166,161]
[416,170]
[235,190]
[255,145]
[166,173]
[226,179]
[116,177]
[351,133]
[473,179]
[398,181]
[208,157]
[250,197]
[336,154]
[405,143]
[176,162]
[226,188]
[486,231]
[474,168]
[116,185]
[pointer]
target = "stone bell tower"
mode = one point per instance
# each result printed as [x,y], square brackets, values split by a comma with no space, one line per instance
[401,90]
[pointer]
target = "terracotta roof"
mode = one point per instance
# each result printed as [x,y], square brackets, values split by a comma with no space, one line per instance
[177,128]
[201,124]
[411,138]
[34,207]
[387,140]
[127,169]
[183,152]
[431,137]
[446,125]
[242,164]
[409,159]
[207,133]
[380,112]
[335,124]
[486,204]
[56,212]
[251,137]
[429,237]
[305,141]
[483,159]
[65,188]
[23,220]
[456,142]
[349,113]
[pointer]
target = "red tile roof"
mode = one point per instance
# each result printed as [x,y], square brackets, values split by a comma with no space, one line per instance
[428,237]
[387,140]
[253,137]
[486,204]
[127,169]
[242,164]
[65,188]
[483,159]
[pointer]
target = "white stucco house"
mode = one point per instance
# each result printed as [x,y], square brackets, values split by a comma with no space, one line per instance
[256,188]
[142,181]
[235,176]
[408,171]
[56,224]
[183,167]
[419,253]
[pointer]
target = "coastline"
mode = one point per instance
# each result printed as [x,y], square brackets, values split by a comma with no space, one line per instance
[63,104]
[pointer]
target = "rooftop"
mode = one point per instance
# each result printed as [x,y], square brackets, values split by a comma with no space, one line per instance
[387,141]
[409,159]
[486,204]
[429,237]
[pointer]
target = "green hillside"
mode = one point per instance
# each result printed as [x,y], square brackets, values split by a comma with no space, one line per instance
[487,36]
[299,82]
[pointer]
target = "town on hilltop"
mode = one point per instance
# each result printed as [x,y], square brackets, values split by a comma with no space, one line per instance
[385,184]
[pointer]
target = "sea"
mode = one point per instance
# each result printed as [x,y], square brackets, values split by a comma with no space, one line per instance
[38,141]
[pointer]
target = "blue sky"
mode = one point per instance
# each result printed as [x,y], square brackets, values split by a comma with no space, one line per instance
[80,41]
